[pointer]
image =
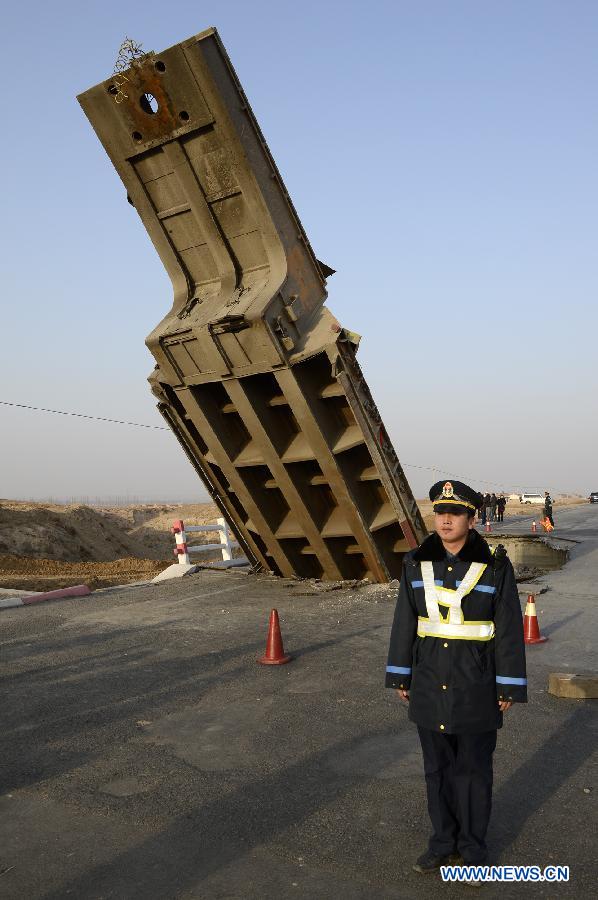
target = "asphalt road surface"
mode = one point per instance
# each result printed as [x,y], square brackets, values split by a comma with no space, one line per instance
[146,755]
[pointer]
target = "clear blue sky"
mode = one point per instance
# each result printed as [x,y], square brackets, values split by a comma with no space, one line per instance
[442,156]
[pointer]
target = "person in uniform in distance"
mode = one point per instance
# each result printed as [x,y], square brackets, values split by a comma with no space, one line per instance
[548,507]
[500,508]
[457,657]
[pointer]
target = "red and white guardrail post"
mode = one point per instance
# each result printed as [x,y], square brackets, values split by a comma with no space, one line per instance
[181,550]
[226,545]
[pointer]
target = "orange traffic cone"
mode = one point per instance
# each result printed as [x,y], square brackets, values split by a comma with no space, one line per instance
[274,655]
[534,528]
[531,629]
[488,527]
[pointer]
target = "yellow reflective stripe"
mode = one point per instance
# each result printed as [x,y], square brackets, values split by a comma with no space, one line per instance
[451,591]
[452,624]
[468,622]
[458,502]
[451,637]
[448,591]
[476,631]
[427,570]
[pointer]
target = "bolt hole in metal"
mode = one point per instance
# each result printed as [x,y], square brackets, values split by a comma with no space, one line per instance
[148,104]
[137,136]
[184,115]
[159,66]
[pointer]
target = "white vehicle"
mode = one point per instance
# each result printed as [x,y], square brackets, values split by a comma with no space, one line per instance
[532,498]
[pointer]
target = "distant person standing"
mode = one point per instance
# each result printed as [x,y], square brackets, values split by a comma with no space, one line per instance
[500,507]
[483,508]
[487,501]
[478,511]
[548,508]
[493,500]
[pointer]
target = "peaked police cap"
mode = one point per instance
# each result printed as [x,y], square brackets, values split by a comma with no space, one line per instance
[454,496]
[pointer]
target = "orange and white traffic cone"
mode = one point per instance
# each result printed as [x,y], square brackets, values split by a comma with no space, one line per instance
[534,528]
[274,655]
[487,527]
[531,629]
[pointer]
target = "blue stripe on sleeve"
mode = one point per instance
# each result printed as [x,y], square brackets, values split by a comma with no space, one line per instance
[506,679]
[485,588]
[399,670]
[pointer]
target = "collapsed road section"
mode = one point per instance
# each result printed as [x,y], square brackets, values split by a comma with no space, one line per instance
[254,375]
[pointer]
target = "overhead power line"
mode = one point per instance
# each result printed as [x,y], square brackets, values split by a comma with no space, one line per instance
[466,478]
[61,412]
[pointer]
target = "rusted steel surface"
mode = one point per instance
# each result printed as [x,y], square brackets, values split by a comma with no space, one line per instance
[254,375]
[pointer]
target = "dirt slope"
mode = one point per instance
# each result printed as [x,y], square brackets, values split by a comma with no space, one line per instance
[45,546]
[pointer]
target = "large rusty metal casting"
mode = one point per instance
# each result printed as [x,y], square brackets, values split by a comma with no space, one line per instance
[254,375]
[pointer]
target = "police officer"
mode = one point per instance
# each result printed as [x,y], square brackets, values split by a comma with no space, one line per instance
[457,657]
[548,507]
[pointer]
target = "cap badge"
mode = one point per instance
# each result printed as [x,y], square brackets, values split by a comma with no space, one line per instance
[447,490]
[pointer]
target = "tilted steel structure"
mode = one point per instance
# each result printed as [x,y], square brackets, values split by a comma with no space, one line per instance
[254,375]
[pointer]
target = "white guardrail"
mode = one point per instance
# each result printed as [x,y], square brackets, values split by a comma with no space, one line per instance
[227,542]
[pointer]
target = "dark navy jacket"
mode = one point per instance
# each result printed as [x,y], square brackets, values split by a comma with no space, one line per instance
[455,684]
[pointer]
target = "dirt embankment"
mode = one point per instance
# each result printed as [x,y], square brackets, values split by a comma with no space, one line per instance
[44,546]
[48,546]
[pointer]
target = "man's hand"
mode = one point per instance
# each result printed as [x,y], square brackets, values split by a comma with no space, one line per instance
[404,695]
[504,705]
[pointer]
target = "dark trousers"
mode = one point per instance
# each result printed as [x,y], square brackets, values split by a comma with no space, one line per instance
[458,770]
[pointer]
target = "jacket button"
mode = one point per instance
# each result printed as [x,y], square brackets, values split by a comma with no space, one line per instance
[442,727]
[444,687]
[400,685]
[450,569]
[445,644]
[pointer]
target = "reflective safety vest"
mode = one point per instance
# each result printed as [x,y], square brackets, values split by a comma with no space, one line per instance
[453,626]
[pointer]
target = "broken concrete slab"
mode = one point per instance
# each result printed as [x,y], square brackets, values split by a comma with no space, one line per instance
[176,570]
[577,687]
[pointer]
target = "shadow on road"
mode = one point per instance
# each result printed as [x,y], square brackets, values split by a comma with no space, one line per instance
[212,836]
[541,775]
[67,702]
[547,630]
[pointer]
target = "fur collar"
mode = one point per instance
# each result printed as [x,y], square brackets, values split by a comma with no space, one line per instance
[475,549]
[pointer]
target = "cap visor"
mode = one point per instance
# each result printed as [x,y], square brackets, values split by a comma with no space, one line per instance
[455,508]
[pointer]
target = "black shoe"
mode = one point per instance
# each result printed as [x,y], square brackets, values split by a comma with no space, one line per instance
[430,862]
